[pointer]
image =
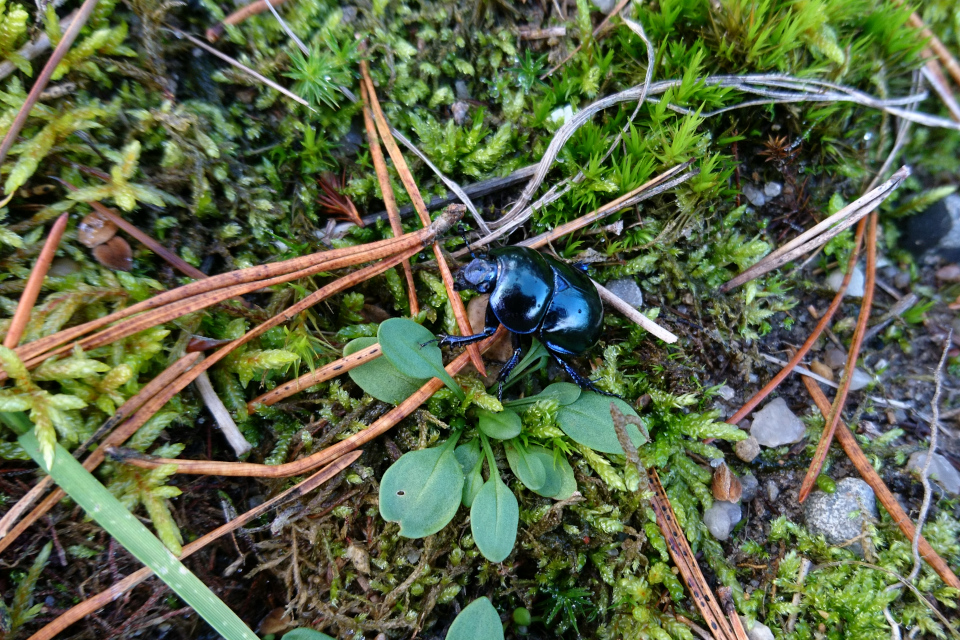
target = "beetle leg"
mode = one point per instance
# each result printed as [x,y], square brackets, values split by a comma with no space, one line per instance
[444,340]
[508,366]
[581,381]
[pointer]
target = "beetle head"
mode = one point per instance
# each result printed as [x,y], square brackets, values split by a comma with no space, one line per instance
[479,274]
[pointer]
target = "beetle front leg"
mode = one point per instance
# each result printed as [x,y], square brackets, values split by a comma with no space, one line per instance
[508,366]
[445,340]
[581,381]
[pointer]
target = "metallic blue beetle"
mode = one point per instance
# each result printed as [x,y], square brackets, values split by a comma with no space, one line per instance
[531,293]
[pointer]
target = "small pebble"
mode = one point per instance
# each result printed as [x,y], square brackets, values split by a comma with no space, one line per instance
[461,89]
[776,425]
[754,195]
[721,518]
[758,631]
[745,425]
[840,516]
[941,470]
[859,379]
[750,486]
[726,392]
[772,189]
[901,280]
[627,290]
[949,273]
[835,358]
[773,491]
[747,450]
[854,289]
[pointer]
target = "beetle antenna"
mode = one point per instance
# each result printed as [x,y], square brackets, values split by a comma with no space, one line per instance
[462,228]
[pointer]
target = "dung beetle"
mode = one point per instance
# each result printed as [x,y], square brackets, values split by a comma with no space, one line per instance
[531,293]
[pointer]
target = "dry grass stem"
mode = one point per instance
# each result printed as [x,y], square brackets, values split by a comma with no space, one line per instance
[934,75]
[32,289]
[943,54]
[304,465]
[389,200]
[115,591]
[324,373]
[456,304]
[256,7]
[884,495]
[221,415]
[633,314]
[820,455]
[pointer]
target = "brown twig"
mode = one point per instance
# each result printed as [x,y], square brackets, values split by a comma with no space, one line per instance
[90,605]
[149,392]
[66,41]
[332,370]
[946,58]
[830,426]
[825,320]
[456,304]
[304,465]
[389,200]
[32,289]
[254,8]
[886,497]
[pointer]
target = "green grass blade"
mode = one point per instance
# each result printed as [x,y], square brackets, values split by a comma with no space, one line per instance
[87,492]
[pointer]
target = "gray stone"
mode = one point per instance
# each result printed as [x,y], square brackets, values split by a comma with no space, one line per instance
[772,189]
[750,486]
[721,518]
[753,195]
[940,470]
[859,379]
[627,290]
[840,516]
[775,425]
[834,358]
[757,630]
[773,491]
[854,289]
[901,280]
[936,230]
[461,89]
[605,6]
[747,450]
[726,392]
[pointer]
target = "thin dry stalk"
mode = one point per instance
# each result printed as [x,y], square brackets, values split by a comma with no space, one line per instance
[256,7]
[221,415]
[66,41]
[686,562]
[324,373]
[596,32]
[934,75]
[149,391]
[456,304]
[612,299]
[823,232]
[91,605]
[884,495]
[304,465]
[946,58]
[831,424]
[824,321]
[34,48]
[389,200]
[32,289]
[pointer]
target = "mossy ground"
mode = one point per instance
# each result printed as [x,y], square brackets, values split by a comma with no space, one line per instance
[225,171]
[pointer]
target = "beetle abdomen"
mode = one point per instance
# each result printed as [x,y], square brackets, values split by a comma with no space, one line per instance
[525,285]
[574,317]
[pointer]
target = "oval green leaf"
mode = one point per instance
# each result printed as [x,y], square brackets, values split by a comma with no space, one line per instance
[529,469]
[479,621]
[559,481]
[470,460]
[588,422]
[499,426]
[564,393]
[379,377]
[400,340]
[306,634]
[422,490]
[494,517]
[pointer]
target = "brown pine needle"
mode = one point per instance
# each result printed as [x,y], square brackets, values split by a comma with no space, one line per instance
[32,289]
[884,495]
[459,311]
[833,420]
[305,465]
[91,605]
[256,7]
[946,58]
[389,200]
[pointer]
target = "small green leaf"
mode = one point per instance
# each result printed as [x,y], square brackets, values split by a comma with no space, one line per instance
[536,354]
[526,467]
[563,392]
[306,634]
[379,378]
[587,421]
[422,490]
[400,340]
[479,621]
[499,426]
[559,481]
[494,517]
[470,459]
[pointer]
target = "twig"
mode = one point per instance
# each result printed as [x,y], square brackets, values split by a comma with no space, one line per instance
[884,495]
[221,416]
[66,41]
[830,427]
[90,605]
[257,6]
[34,48]
[453,298]
[931,450]
[805,565]
[934,75]
[631,313]
[304,465]
[389,200]
[596,32]
[787,369]
[946,58]
[898,309]
[32,289]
